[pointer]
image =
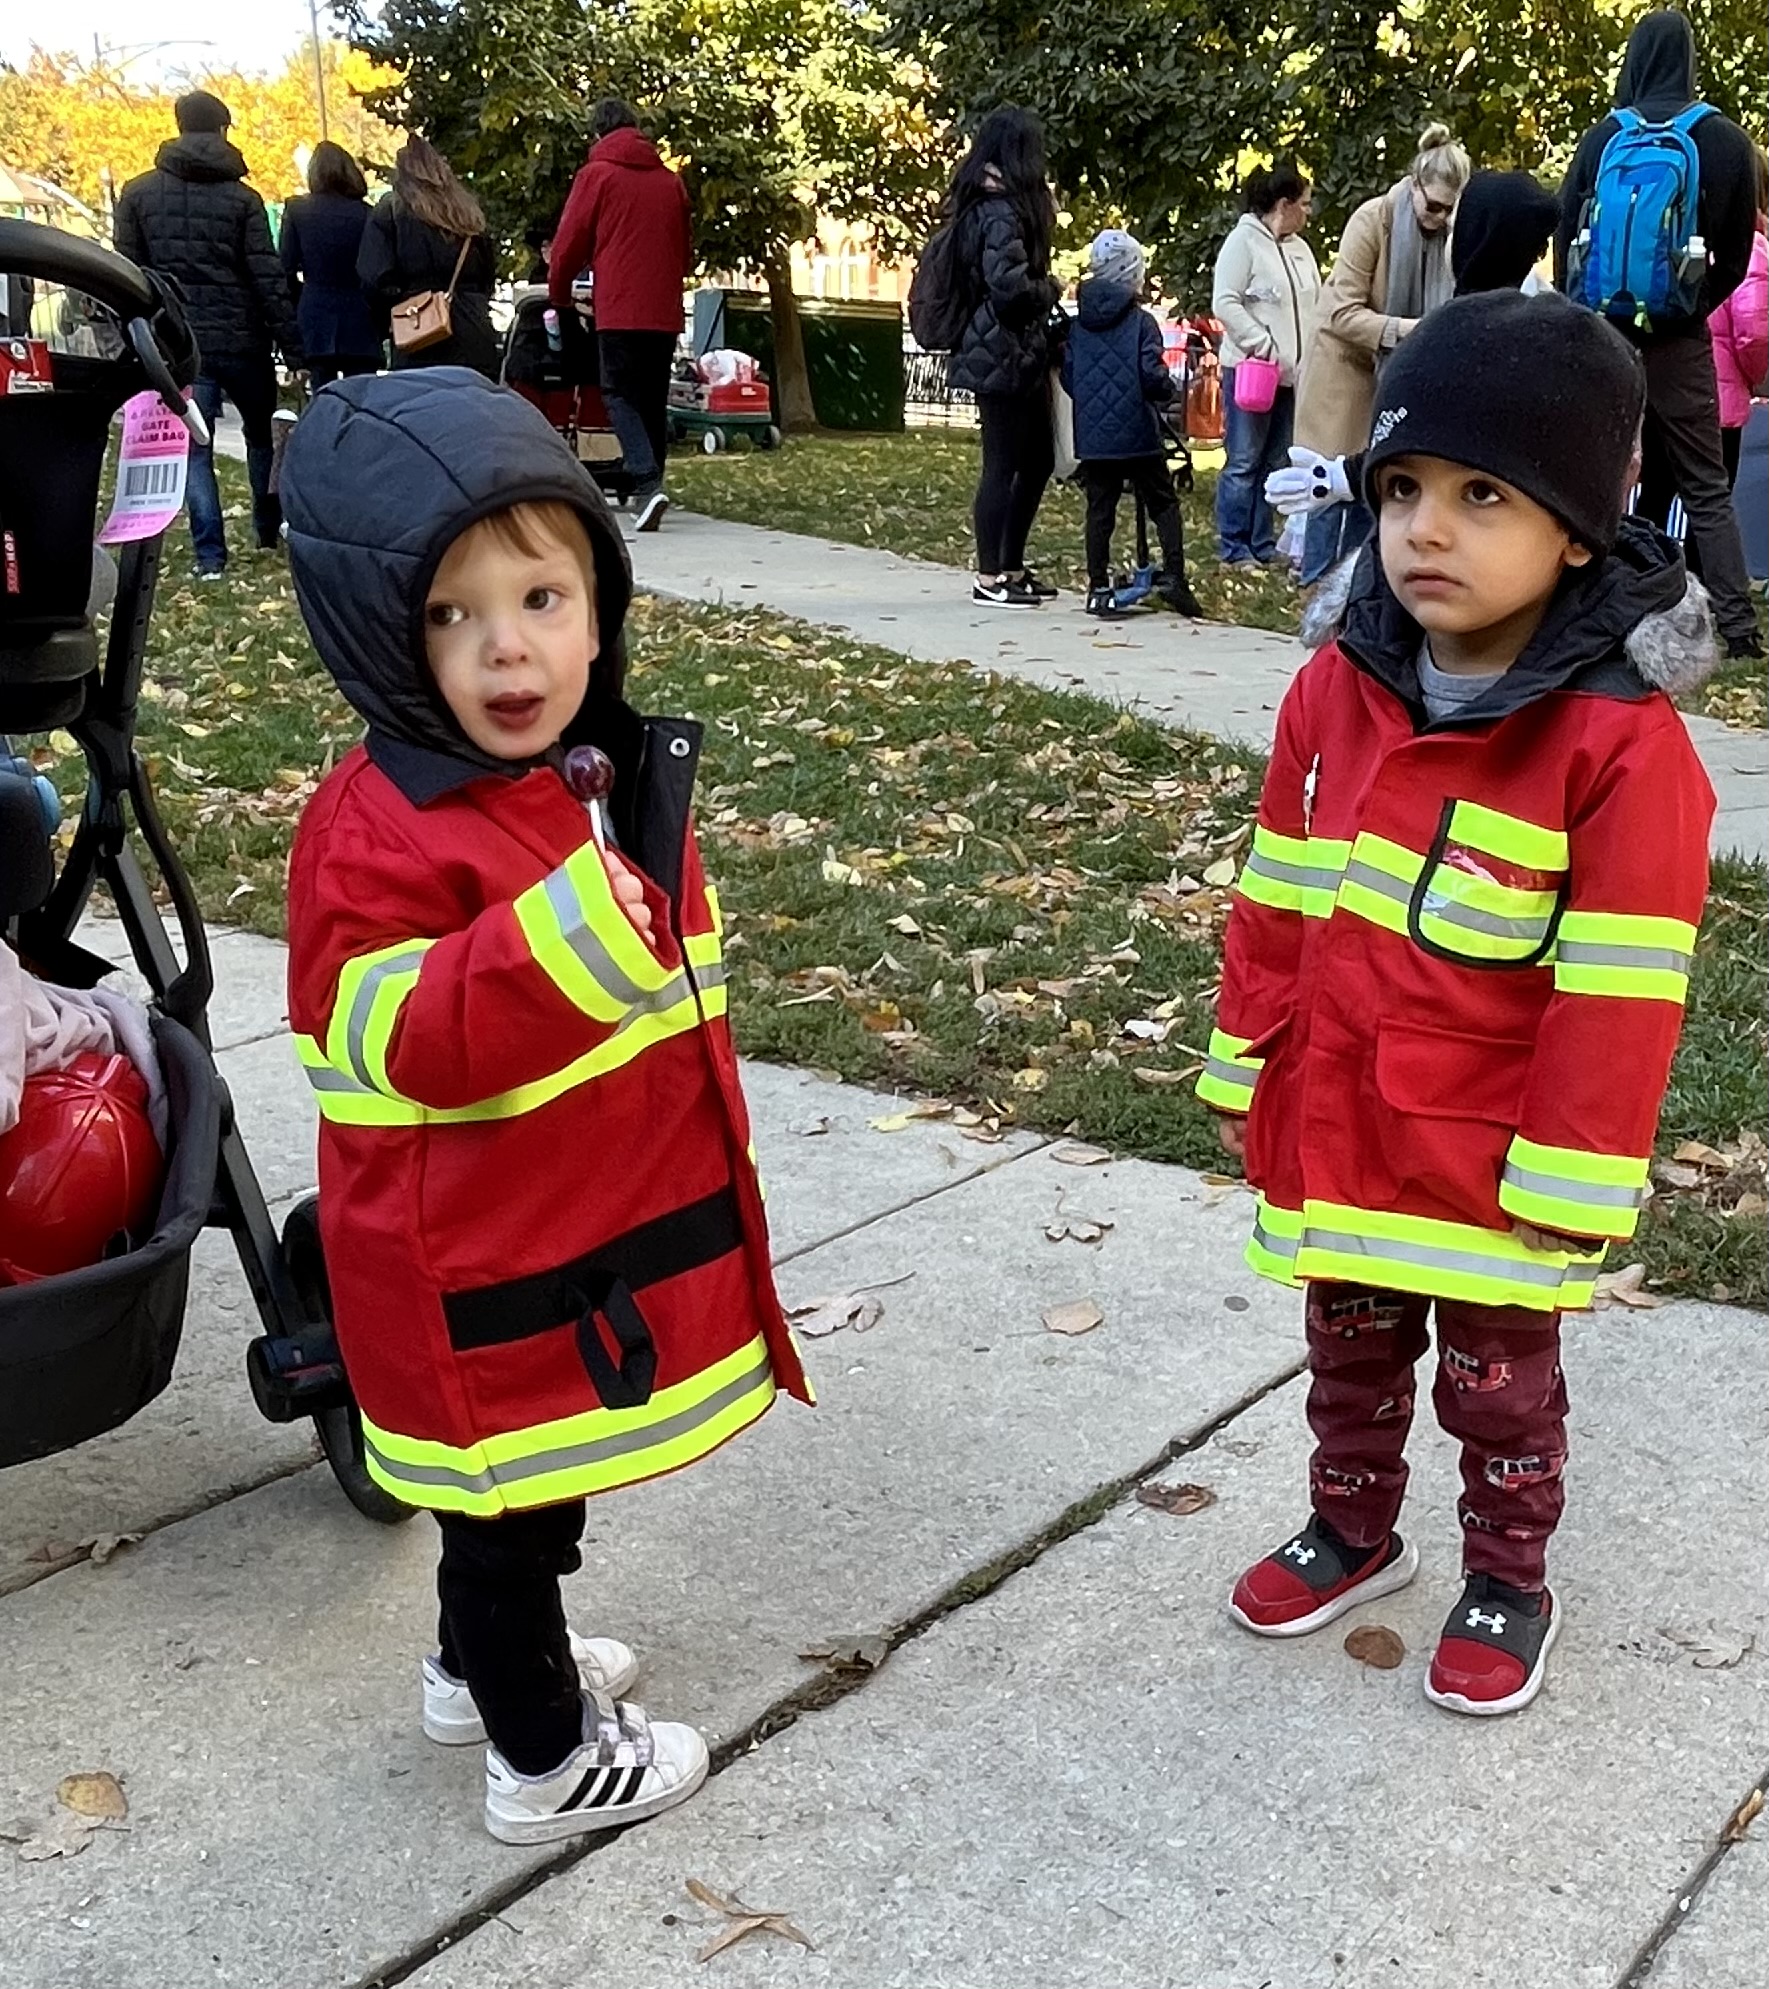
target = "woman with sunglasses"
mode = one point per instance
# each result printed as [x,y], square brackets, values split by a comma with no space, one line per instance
[1393,266]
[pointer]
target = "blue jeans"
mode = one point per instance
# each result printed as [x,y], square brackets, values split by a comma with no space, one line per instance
[251,386]
[1257,444]
[1332,535]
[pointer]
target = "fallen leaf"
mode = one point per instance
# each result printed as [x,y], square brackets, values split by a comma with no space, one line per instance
[105,1545]
[1712,1649]
[860,1653]
[1742,1818]
[837,872]
[1030,1079]
[1697,1153]
[1374,1645]
[1077,1229]
[817,1318]
[50,1551]
[60,1835]
[1624,1287]
[1751,1204]
[743,1920]
[1077,1153]
[1221,872]
[810,1129]
[98,1794]
[904,924]
[1161,1078]
[1677,1174]
[1080,1315]
[1145,1031]
[1180,1500]
[894,1122]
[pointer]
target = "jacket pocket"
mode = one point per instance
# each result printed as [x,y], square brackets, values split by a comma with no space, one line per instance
[1265,1115]
[1450,1104]
[1491,890]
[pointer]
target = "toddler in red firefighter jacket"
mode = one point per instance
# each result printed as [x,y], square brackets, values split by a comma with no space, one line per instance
[1457,960]
[543,1230]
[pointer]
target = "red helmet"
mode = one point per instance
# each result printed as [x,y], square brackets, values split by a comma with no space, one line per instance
[81,1164]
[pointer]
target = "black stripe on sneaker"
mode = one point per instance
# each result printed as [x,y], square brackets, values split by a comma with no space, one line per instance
[629,1788]
[580,1797]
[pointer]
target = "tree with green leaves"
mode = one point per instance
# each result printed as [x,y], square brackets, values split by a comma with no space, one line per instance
[777,111]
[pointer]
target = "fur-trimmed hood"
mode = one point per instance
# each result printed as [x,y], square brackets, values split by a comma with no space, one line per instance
[1634,622]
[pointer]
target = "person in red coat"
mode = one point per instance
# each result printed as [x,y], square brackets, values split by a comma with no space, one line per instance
[1456,964]
[543,1229]
[627,223]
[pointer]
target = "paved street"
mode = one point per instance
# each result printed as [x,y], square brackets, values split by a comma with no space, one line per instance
[1071,1768]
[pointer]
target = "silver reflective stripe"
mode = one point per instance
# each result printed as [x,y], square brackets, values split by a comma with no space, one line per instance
[1587,953]
[335,1080]
[579,1456]
[1516,1270]
[712,975]
[1378,881]
[1309,876]
[1597,1193]
[356,1029]
[614,981]
[1278,1246]
[1531,932]
[1240,1076]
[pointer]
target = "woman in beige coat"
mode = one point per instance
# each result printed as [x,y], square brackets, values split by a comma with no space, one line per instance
[1393,266]
[1266,284]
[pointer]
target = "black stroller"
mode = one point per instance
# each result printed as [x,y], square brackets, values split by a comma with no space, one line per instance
[82,1352]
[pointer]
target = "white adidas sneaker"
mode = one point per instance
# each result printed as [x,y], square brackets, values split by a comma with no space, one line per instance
[628,1768]
[451,1717]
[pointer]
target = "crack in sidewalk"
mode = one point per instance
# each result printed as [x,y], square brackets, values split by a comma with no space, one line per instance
[830,1686]
[1639,1971]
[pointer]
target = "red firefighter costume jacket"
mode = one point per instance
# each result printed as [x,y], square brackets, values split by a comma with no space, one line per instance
[543,1229]
[1456,964]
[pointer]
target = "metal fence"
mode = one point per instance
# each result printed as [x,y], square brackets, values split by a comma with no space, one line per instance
[929,398]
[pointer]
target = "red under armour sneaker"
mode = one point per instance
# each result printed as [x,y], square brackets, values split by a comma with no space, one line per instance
[1315,1577]
[1493,1654]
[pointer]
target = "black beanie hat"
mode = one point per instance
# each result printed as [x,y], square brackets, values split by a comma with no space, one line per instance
[1536,391]
[201,110]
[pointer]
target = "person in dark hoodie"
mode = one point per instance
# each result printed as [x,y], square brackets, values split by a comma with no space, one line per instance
[194,218]
[1115,371]
[1658,80]
[627,223]
[543,1229]
[1456,965]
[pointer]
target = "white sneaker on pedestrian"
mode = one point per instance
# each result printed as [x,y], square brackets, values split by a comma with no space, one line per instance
[651,512]
[629,1767]
[451,1717]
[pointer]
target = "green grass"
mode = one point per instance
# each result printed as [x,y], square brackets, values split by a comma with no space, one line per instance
[944,884]
[912,493]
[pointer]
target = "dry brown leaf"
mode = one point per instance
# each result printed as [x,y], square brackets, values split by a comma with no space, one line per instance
[97,1794]
[1221,872]
[1180,1500]
[817,1318]
[1750,1204]
[1697,1153]
[865,1652]
[810,1129]
[62,1834]
[1077,1229]
[1742,1818]
[104,1545]
[1030,1079]
[1624,1287]
[1077,1153]
[1079,1315]
[1712,1649]
[1163,1079]
[1375,1645]
[743,1920]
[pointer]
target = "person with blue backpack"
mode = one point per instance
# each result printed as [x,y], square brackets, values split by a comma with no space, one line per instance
[1657,217]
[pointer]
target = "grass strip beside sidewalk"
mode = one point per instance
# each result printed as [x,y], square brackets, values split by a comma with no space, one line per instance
[970,890]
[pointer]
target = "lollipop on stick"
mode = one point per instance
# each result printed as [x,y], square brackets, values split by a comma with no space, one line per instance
[589,773]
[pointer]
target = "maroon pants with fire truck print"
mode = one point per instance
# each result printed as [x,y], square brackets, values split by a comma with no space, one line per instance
[1499,1392]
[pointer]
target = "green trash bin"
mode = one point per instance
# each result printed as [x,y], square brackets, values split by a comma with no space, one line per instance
[853,350]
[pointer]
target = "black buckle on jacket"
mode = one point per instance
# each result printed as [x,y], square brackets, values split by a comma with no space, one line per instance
[626,1386]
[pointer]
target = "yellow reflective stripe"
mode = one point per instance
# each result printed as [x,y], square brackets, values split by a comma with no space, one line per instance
[585,942]
[1480,936]
[1379,880]
[1291,874]
[1418,1254]
[1228,1076]
[1591,1194]
[1636,956]
[1509,836]
[345,1102]
[573,1456]
[371,989]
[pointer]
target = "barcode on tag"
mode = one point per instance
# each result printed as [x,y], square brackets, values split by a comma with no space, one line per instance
[156,479]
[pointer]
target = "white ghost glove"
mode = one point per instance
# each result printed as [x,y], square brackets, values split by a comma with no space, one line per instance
[1311,483]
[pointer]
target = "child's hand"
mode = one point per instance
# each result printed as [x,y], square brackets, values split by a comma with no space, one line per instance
[1534,1238]
[629,893]
[1232,1132]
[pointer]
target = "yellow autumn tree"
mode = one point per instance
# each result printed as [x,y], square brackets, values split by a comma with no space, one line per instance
[86,128]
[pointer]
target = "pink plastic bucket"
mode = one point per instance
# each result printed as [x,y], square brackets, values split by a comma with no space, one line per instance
[1256,385]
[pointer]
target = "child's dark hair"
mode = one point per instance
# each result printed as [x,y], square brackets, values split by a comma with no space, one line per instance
[1010,140]
[1266,186]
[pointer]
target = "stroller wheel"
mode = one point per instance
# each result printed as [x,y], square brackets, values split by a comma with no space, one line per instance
[712,442]
[340,1437]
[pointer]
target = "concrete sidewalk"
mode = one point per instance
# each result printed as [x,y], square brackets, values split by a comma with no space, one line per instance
[1208,678]
[1071,1769]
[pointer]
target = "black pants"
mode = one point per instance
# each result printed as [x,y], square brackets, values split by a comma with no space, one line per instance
[1019,454]
[1683,457]
[330,366]
[503,1628]
[1731,445]
[635,367]
[1147,477]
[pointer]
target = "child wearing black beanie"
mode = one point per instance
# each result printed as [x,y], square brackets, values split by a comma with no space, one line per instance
[1456,966]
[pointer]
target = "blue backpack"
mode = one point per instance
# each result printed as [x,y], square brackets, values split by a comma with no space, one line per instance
[1633,258]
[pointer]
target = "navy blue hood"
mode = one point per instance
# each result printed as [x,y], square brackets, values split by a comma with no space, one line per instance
[1100,305]
[382,474]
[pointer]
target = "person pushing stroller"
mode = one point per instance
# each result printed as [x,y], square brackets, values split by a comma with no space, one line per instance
[1114,370]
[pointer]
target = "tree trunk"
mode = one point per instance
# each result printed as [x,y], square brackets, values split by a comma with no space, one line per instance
[792,376]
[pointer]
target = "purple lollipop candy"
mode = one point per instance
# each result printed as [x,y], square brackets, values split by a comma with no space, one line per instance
[589,773]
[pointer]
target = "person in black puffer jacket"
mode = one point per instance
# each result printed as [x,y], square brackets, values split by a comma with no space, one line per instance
[1002,203]
[194,218]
